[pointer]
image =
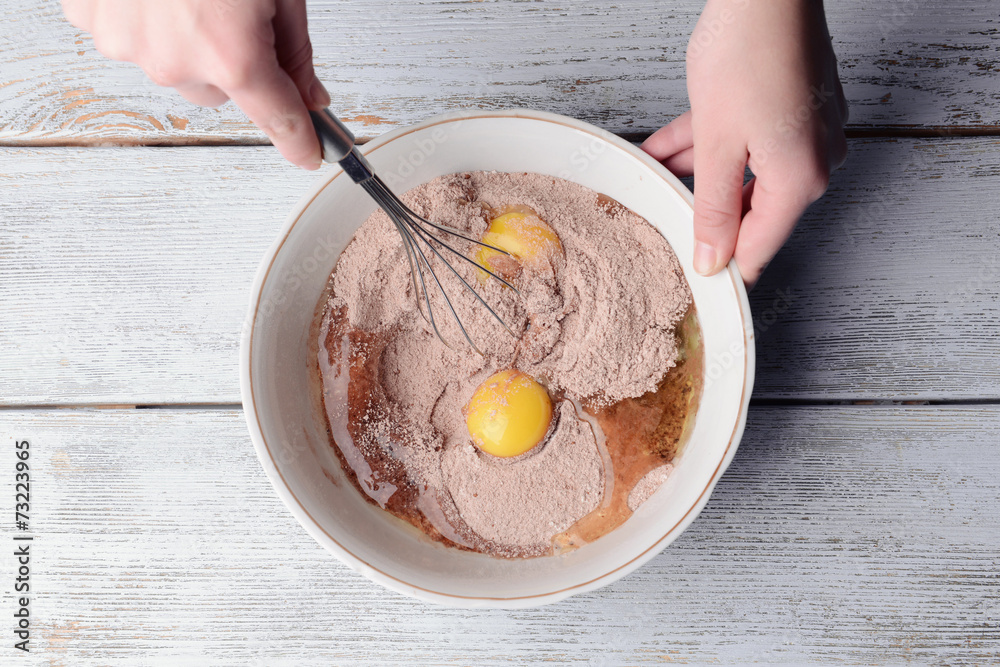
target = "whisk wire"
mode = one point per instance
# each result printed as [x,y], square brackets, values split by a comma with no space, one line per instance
[409,239]
[338,145]
[427,238]
[403,217]
[444,228]
[411,256]
[408,215]
[410,259]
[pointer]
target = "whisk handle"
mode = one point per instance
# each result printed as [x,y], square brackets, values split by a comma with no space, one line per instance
[338,146]
[336,140]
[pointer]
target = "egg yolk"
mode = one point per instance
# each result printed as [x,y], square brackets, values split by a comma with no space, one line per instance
[524,235]
[509,414]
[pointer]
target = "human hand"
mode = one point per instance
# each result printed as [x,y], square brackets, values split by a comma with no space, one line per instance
[255,52]
[764,92]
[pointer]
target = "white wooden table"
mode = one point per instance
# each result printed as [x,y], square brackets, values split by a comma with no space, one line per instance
[859,523]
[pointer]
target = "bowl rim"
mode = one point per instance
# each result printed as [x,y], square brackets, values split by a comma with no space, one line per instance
[393,582]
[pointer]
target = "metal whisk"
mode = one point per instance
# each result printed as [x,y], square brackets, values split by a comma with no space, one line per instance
[338,146]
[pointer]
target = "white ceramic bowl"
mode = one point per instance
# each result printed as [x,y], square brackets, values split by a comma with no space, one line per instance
[287,427]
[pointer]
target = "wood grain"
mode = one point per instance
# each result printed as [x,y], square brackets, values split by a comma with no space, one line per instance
[838,535]
[125,274]
[862,534]
[890,287]
[905,64]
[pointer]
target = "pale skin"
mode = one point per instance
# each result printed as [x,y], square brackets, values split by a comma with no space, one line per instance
[255,52]
[762,82]
[764,92]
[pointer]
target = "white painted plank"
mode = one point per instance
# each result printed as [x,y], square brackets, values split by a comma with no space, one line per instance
[892,282]
[856,535]
[125,274]
[905,63]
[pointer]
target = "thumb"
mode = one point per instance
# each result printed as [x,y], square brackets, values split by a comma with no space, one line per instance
[718,203]
[294,51]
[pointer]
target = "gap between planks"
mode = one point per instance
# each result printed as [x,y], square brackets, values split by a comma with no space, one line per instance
[888,131]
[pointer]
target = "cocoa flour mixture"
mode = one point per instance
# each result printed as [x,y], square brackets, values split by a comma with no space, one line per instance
[595,324]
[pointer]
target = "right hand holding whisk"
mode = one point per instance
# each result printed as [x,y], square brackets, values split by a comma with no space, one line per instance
[255,52]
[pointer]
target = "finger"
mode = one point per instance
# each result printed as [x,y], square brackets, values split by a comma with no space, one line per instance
[681,164]
[272,101]
[115,33]
[79,13]
[718,202]
[671,139]
[294,49]
[767,225]
[205,95]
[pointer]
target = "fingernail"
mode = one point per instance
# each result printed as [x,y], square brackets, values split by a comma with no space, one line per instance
[705,258]
[311,166]
[317,93]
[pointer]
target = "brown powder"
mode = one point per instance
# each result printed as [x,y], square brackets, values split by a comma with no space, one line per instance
[548,490]
[595,324]
[648,485]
